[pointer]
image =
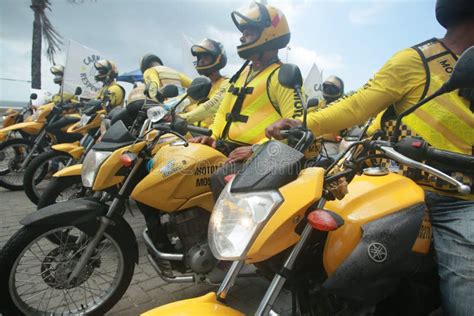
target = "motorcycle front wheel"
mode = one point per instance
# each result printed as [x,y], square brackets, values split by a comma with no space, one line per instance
[40,171]
[35,271]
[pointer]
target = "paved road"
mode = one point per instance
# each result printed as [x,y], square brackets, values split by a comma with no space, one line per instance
[147,290]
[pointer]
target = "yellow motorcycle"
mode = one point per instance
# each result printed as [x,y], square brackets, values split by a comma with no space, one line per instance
[353,256]
[66,183]
[15,116]
[86,243]
[40,170]
[48,125]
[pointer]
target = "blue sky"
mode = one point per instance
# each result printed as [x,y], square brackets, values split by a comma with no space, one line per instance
[348,38]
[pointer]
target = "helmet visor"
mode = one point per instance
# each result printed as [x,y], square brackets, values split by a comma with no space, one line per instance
[256,15]
[331,89]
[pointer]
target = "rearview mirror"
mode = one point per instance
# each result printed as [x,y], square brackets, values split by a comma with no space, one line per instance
[78,91]
[290,76]
[33,96]
[199,88]
[463,73]
[169,91]
[313,102]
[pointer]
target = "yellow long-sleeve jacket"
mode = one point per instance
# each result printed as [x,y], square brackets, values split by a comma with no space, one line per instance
[410,75]
[204,112]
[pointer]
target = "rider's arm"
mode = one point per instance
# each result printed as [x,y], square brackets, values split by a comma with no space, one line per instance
[185,80]
[116,95]
[208,108]
[151,75]
[398,82]
[220,119]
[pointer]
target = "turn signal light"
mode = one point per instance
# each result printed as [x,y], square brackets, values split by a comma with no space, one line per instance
[229,177]
[325,220]
[128,159]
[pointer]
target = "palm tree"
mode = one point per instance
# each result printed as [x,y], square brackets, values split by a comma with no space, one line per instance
[42,28]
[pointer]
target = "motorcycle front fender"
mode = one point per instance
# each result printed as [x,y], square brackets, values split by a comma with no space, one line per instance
[73,149]
[74,170]
[203,305]
[75,211]
[28,127]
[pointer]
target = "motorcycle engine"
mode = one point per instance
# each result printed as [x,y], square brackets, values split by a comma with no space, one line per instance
[187,231]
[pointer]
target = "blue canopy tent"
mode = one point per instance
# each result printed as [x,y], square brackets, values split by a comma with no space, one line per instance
[132,76]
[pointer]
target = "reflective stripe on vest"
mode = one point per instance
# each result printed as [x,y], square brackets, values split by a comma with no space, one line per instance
[257,111]
[446,122]
[167,76]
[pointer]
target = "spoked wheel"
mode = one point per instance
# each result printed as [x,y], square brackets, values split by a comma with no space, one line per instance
[39,172]
[36,272]
[12,154]
[62,189]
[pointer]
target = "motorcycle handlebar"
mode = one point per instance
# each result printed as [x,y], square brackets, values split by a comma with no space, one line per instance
[449,158]
[393,154]
[199,130]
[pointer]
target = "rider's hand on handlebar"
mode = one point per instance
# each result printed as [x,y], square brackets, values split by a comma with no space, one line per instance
[206,140]
[273,131]
[240,154]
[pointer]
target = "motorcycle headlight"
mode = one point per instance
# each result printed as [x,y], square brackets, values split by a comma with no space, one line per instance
[91,165]
[237,219]
[155,113]
[84,120]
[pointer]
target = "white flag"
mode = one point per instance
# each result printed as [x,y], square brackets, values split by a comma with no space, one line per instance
[312,83]
[79,70]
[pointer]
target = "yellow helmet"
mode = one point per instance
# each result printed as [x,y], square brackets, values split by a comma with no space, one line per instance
[106,70]
[212,48]
[273,26]
[58,72]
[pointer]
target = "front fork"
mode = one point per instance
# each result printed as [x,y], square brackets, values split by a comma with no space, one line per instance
[265,307]
[36,144]
[104,223]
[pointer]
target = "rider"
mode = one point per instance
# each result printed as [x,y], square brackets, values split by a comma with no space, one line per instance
[333,89]
[255,97]
[157,76]
[445,122]
[211,57]
[58,72]
[106,73]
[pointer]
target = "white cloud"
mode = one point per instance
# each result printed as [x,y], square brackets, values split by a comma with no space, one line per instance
[305,58]
[367,14]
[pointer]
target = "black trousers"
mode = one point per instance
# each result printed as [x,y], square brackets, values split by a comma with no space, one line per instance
[218,178]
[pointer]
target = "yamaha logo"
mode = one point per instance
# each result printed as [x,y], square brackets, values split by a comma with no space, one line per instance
[377,252]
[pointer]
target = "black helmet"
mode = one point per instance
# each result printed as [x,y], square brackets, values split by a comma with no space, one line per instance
[213,48]
[58,72]
[451,12]
[333,88]
[148,60]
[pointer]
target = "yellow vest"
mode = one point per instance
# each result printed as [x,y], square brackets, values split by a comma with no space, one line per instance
[446,122]
[257,111]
